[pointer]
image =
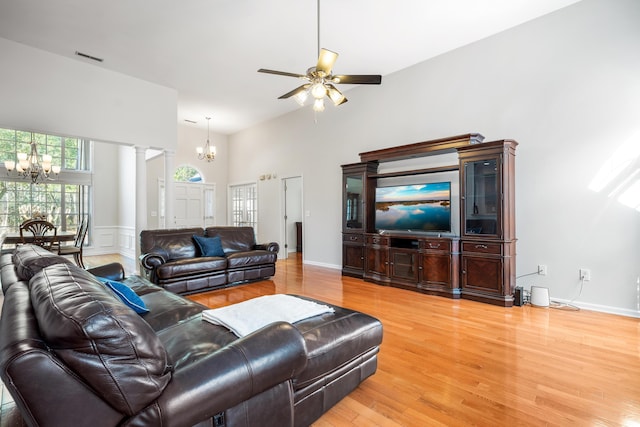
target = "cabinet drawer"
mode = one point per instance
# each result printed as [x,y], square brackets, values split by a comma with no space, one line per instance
[436,245]
[377,240]
[482,247]
[353,238]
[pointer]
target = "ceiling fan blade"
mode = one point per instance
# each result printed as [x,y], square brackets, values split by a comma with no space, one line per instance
[295,91]
[326,59]
[358,79]
[335,95]
[282,73]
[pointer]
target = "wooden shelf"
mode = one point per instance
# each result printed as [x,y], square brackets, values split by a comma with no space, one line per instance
[421,149]
[478,263]
[417,172]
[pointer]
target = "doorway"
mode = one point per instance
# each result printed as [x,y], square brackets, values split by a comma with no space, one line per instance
[293,228]
[193,203]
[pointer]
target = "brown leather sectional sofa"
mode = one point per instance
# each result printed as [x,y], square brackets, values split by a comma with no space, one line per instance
[72,353]
[171,258]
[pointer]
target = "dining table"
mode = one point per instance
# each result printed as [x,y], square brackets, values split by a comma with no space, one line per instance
[15,238]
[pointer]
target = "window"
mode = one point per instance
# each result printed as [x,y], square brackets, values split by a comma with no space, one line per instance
[244,205]
[63,200]
[187,174]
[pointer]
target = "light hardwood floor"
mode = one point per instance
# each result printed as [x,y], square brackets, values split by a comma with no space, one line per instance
[457,362]
[450,362]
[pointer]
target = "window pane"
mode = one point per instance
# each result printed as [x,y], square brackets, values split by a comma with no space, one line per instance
[58,201]
[71,154]
[187,174]
[244,205]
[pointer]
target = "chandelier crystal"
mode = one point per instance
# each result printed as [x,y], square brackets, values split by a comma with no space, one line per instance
[208,152]
[38,169]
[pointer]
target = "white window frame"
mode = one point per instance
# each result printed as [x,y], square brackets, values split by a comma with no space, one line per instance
[243,205]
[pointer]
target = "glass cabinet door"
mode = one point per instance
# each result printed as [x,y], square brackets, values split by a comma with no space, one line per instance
[481,198]
[353,202]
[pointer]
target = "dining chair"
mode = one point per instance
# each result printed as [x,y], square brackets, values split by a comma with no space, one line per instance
[78,243]
[3,236]
[38,232]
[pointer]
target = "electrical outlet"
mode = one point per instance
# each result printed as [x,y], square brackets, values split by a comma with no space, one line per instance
[542,269]
[585,274]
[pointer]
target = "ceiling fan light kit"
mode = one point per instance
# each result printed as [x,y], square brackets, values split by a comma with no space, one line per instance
[321,80]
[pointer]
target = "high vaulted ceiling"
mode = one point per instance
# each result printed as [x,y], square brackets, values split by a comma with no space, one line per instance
[210,50]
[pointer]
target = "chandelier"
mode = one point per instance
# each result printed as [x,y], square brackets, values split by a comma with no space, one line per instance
[207,152]
[32,165]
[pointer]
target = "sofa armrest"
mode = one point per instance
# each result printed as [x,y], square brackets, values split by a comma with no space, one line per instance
[233,374]
[151,260]
[112,271]
[271,247]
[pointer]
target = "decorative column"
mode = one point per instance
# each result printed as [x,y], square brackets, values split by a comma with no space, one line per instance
[169,170]
[141,195]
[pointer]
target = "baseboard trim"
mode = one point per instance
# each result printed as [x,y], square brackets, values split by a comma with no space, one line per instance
[601,308]
[322,264]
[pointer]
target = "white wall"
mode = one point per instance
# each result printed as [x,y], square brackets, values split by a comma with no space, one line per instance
[106,204]
[113,220]
[54,94]
[565,86]
[215,172]
[51,93]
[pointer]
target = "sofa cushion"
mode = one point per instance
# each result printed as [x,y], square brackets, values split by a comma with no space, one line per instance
[246,259]
[234,239]
[126,295]
[209,246]
[333,340]
[172,243]
[30,259]
[190,266]
[104,342]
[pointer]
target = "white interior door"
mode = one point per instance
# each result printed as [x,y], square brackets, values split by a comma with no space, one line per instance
[189,205]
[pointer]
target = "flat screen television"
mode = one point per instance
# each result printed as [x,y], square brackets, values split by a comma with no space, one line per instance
[417,208]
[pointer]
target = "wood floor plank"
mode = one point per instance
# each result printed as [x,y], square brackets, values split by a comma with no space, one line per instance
[450,362]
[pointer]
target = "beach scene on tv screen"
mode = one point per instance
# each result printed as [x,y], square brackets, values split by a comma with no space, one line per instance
[424,207]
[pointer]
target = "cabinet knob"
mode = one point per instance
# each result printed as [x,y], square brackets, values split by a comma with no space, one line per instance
[464,271]
[434,246]
[481,246]
[353,238]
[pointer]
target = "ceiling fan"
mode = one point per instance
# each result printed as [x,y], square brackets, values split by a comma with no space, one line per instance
[320,79]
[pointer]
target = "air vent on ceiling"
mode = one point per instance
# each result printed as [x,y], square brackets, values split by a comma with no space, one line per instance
[93,58]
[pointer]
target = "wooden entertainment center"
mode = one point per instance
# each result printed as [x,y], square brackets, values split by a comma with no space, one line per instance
[477,262]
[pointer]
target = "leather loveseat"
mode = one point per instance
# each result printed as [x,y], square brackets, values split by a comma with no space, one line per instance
[173,259]
[72,353]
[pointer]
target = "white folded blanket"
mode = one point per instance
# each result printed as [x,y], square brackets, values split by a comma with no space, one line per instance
[251,315]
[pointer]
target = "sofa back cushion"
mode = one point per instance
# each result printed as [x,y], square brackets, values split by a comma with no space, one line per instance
[234,239]
[100,339]
[30,259]
[171,243]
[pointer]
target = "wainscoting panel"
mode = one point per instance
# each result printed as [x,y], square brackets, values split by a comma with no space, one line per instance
[112,240]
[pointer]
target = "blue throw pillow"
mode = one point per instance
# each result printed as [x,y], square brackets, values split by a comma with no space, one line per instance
[209,246]
[126,294]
